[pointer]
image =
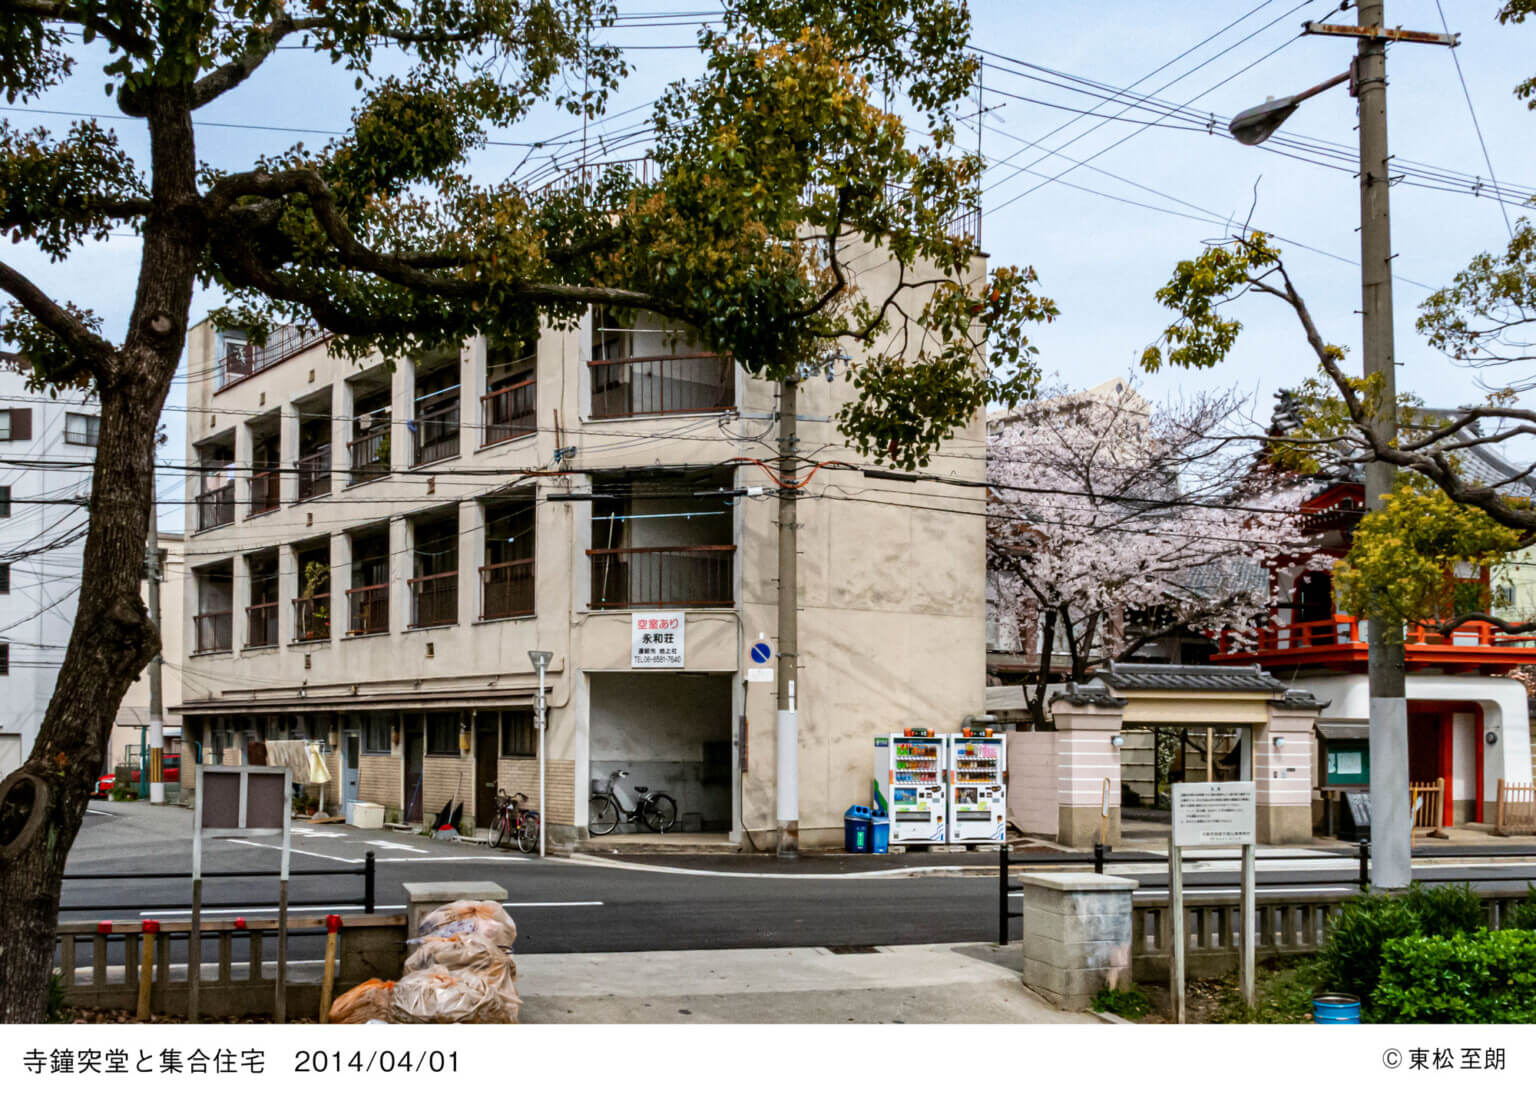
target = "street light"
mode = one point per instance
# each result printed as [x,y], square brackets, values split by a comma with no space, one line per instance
[1255,125]
[540,661]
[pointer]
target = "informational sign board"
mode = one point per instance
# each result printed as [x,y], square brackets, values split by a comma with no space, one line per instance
[759,674]
[656,638]
[1213,813]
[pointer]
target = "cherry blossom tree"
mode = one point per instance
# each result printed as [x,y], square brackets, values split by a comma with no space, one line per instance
[1113,523]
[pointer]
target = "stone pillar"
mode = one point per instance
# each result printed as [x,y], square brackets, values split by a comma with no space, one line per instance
[341,578]
[1283,754]
[1076,936]
[288,586]
[421,899]
[341,453]
[399,572]
[1087,721]
[471,388]
[471,556]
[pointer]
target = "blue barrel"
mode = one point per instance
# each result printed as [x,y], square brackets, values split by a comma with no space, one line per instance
[856,829]
[1333,1009]
[880,835]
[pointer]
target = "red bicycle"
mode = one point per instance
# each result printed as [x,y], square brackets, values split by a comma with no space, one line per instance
[514,820]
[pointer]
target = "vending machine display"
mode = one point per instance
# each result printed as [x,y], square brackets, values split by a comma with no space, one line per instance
[978,793]
[909,785]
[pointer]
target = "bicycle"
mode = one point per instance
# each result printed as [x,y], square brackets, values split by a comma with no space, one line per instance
[657,811]
[512,819]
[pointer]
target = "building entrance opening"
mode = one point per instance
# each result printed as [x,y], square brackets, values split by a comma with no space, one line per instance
[1154,757]
[672,732]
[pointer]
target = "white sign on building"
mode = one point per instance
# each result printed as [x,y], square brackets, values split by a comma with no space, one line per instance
[1213,813]
[656,638]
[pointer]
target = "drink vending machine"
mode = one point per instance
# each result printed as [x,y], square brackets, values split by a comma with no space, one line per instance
[978,792]
[909,784]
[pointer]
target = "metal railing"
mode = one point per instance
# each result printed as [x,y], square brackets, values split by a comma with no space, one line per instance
[509,413]
[437,435]
[697,382]
[368,609]
[506,589]
[369,455]
[213,631]
[315,473]
[1345,631]
[434,599]
[243,360]
[368,871]
[216,507]
[681,575]
[312,618]
[266,491]
[261,625]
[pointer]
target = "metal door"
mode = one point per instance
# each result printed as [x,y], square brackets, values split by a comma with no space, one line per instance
[351,750]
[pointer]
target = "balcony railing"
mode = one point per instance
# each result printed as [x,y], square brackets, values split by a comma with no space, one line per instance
[509,413]
[266,491]
[435,599]
[240,361]
[437,435]
[662,385]
[315,473]
[368,610]
[312,618]
[507,589]
[216,507]
[261,625]
[684,575]
[212,631]
[1342,632]
[369,455]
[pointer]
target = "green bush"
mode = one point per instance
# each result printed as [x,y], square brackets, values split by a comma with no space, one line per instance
[1351,958]
[1446,910]
[1523,917]
[1483,978]
[1128,1002]
[56,1011]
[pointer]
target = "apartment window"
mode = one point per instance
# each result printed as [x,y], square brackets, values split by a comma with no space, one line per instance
[443,733]
[81,430]
[5,659]
[15,424]
[5,579]
[5,501]
[376,733]
[517,734]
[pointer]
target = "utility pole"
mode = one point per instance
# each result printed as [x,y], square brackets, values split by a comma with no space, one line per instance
[1391,822]
[156,665]
[787,773]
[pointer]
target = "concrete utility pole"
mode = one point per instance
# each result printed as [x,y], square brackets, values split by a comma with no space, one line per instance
[156,665]
[1391,822]
[787,773]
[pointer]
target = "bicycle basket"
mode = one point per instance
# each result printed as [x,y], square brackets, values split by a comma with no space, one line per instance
[602,786]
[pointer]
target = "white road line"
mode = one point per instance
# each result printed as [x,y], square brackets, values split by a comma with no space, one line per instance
[909,871]
[297,850]
[336,908]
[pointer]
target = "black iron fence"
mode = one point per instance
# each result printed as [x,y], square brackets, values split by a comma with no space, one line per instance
[368,871]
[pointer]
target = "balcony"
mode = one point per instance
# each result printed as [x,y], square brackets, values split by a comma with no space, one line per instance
[509,412]
[315,473]
[434,600]
[1342,642]
[437,434]
[312,618]
[369,455]
[662,385]
[212,631]
[684,575]
[266,491]
[261,625]
[506,590]
[216,507]
[241,360]
[368,610]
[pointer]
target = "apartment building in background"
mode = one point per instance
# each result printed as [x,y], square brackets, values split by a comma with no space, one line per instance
[372,552]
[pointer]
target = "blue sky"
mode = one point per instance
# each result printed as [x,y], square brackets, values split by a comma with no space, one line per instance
[1100,255]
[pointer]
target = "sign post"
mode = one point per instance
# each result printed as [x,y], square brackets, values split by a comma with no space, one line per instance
[1209,814]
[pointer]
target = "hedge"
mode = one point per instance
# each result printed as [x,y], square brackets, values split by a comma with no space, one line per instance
[1484,978]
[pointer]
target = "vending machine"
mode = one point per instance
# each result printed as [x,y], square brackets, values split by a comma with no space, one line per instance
[978,792]
[909,784]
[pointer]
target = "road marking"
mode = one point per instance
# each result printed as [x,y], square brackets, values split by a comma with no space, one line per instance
[297,850]
[385,844]
[220,912]
[909,871]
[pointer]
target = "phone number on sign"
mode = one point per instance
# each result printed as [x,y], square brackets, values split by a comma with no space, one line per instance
[435,1062]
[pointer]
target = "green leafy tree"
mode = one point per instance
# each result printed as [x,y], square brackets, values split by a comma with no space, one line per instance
[778,171]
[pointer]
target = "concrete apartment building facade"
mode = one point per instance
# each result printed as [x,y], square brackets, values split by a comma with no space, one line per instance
[372,553]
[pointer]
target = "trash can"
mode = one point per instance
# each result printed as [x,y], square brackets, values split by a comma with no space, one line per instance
[1333,1009]
[856,829]
[879,834]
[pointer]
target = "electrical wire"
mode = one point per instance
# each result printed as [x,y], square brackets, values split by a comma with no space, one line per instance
[1476,126]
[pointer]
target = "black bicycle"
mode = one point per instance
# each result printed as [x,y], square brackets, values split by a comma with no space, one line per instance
[656,811]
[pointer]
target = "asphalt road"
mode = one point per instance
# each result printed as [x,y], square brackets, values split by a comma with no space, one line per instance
[640,903]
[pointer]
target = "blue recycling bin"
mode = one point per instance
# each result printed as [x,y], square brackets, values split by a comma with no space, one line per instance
[856,829]
[879,834]
[1332,1009]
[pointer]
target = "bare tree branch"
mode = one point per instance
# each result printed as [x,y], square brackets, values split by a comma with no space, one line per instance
[93,352]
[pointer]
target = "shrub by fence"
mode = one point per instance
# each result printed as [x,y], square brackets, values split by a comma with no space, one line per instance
[1484,978]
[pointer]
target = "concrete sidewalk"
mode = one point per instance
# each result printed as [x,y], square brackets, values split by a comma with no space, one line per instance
[931,983]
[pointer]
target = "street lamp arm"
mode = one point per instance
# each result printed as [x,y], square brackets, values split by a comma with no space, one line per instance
[1255,125]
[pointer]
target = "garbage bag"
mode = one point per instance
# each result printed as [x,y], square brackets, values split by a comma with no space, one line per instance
[369,1001]
[486,918]
[441,995]
[463,953]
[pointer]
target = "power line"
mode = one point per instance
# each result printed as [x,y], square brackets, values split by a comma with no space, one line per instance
[1476,126]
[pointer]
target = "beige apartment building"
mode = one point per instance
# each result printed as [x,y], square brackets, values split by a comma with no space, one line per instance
[373,552]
